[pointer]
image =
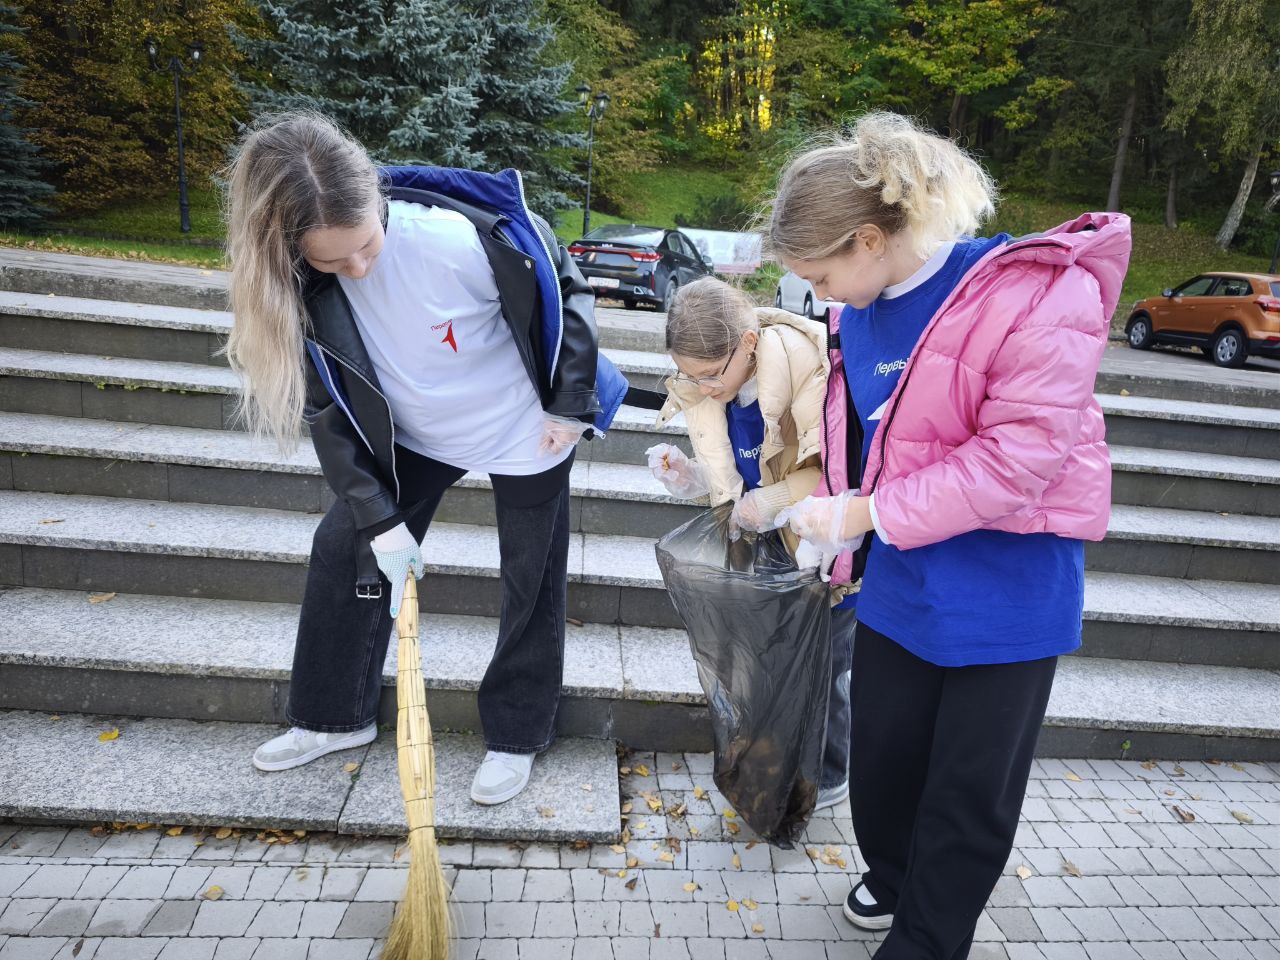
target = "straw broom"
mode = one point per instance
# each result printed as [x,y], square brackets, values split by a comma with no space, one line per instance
[420,930]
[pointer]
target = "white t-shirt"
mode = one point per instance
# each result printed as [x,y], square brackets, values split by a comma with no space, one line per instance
[429,315]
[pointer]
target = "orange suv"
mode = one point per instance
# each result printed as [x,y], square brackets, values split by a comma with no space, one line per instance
[1227,315]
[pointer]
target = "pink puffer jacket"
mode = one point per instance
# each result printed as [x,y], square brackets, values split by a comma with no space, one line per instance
[993,425]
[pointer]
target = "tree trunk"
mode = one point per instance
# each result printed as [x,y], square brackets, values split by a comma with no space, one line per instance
[955,122]
[1122,148]
[1171,198]
[1236,213]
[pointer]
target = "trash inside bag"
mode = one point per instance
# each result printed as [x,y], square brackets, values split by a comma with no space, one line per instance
[759,630]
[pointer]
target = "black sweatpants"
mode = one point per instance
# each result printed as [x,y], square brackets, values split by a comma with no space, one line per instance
[937,782]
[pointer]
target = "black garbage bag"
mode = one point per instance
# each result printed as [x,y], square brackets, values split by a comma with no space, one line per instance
[760,633]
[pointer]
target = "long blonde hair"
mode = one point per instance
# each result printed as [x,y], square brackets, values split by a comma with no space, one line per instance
[291,172]
[887,171]
[708,318]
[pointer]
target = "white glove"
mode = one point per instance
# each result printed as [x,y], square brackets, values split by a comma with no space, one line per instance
[751,512]
[808,557]
[561,433]
[681,476]
[820,520]
[397,552]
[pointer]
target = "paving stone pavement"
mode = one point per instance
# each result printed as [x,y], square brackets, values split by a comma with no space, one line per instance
[1113,861]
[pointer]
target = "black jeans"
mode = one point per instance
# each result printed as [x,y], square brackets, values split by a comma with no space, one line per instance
[937,785]
[835,753]
[342,639]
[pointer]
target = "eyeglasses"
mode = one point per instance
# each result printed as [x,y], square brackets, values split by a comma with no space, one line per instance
[713,382]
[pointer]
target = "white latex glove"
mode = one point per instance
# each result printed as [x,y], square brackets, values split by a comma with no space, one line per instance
[820,520]
[809,557]
[397,552]
[681,476]
[751,512]
[560,433]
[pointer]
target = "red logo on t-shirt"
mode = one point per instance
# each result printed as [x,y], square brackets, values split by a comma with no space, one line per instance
[448,338]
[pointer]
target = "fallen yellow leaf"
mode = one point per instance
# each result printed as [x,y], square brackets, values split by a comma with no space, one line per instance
[737,861]
[587,787]
[1023,872]
[55,520]
[729,814]
[618,848]
[667,857]
[695,831]
[1072,777]
[750,904]
[757,928]
[632,863]
[101,597]
[654,804]
[626,807]
[112,734]
[690,887]
[699,793]
[173,831]
[546,812]
[350,767]
[732,906]
[214,893]
[1071,868]
[622,874]
[812,852]
[1241,816]
[223,833]
[641,769]
[733,827]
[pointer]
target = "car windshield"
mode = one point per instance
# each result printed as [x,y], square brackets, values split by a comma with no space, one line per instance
[1275,288]
[627,233]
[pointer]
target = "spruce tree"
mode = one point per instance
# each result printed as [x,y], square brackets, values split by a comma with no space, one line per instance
[21,186]
[521,96]
[425,81]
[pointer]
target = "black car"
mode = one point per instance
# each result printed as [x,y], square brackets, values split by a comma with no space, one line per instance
[638,264]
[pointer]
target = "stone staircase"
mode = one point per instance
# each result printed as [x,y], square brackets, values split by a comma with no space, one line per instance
[120,475]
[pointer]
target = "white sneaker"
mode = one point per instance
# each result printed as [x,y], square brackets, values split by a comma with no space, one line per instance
[297,746]
[501,776]
[831,796]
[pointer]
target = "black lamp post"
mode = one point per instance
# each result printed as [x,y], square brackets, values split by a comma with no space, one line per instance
[595,107]
[175,66]
[1274,205]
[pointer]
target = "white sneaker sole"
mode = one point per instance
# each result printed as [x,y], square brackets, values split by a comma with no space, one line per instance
[866,923]
[358,740]
[833,801]
[509,794]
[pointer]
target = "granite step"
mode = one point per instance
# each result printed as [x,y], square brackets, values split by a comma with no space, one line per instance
[1161,709]
[147,331]
[1185,480]
[192,465]
[200,395]
[56,769]
[239,553]
[204,659]
[1216,428]
[199,659]
[157,462]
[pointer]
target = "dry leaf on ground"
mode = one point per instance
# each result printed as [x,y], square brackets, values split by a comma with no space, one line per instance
[101,597]
[1071,868]
[213,893]
[1242,816]
[112,734]
[1023,872]
[732,906]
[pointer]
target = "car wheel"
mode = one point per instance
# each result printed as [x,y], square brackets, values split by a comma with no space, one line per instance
[669,296]
[1139,332]
[1229,348]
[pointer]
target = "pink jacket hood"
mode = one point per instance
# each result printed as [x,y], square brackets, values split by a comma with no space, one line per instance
[993,424]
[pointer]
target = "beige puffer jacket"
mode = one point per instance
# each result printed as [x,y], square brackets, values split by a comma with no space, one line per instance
[791,377]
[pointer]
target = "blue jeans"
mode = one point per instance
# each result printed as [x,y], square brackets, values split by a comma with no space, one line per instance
[835,754]
[342,639]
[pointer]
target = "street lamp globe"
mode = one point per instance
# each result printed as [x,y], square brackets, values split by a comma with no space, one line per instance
[602,103]
[583,92]
[152,46]
[196,51]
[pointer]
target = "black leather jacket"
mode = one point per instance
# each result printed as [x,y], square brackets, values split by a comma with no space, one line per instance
[359,461]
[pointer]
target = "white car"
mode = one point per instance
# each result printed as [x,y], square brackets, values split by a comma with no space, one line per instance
[796,294]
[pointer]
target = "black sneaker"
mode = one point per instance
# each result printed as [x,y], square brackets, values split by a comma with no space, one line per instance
[864,914]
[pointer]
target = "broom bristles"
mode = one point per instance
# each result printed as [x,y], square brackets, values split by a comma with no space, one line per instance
[420,929]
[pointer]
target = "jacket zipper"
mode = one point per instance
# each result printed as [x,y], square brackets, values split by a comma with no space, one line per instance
[552,260]
[390,420]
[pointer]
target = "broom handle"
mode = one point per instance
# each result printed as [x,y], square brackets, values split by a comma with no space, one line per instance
[407,626]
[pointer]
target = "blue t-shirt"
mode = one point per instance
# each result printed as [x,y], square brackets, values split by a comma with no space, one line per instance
[746,433]
[980,597]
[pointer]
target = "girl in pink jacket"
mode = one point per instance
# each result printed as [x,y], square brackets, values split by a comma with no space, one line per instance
[964,466]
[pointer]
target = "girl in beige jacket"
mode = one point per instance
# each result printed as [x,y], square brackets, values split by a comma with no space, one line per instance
[751,384]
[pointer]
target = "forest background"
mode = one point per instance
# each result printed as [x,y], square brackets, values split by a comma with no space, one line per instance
[1166,109]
